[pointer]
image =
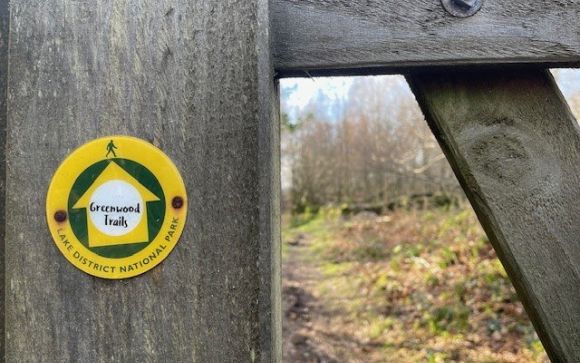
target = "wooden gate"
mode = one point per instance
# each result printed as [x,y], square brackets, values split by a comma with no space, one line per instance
[199,80]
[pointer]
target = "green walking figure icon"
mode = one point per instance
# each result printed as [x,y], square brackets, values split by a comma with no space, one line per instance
[111,149]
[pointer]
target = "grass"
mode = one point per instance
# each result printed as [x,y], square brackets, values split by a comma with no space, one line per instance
[421,286]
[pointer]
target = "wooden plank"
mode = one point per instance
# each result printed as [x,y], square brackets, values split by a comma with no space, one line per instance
[269,191]
[195,79]
[515,147]
[353,36]
[4,29]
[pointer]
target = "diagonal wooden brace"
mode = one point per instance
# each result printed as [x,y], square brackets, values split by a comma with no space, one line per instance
[515,148]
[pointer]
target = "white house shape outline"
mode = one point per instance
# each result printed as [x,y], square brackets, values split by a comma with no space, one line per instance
[138,235]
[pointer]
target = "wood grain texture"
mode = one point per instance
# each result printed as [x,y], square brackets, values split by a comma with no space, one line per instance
[515,147]
[320,37]
[4,30]
[195,78]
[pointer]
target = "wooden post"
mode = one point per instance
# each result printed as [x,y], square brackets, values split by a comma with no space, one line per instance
[4,24]
[194,78]
[515,147]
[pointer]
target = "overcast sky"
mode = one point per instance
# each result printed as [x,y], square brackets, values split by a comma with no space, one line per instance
[297,93]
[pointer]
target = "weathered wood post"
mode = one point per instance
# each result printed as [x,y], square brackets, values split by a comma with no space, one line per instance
[4,25]
[195,78]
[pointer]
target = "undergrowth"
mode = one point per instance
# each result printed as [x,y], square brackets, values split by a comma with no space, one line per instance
[421,286]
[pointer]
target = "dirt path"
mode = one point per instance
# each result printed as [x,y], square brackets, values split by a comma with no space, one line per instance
[311,333]
[300,306]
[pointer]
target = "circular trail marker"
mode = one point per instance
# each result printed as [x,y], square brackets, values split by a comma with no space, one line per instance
[111,207]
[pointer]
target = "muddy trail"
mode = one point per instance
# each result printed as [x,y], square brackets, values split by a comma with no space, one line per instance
[312,333]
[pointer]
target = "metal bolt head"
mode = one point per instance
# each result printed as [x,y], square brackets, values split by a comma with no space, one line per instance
[60,216]
[468,4]
[177,203]
[462,8]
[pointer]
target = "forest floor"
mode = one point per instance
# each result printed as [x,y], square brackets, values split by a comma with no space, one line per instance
[412,286]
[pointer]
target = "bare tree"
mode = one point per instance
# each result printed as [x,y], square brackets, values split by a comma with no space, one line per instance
[372,149]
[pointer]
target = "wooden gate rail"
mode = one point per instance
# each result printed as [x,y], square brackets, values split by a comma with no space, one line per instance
[325,37]
[515,148]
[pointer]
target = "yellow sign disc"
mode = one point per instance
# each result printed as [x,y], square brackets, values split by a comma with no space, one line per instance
[116,207]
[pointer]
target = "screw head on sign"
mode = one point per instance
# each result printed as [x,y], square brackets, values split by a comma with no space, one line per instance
[60,216]
[177,202]
[462,8]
